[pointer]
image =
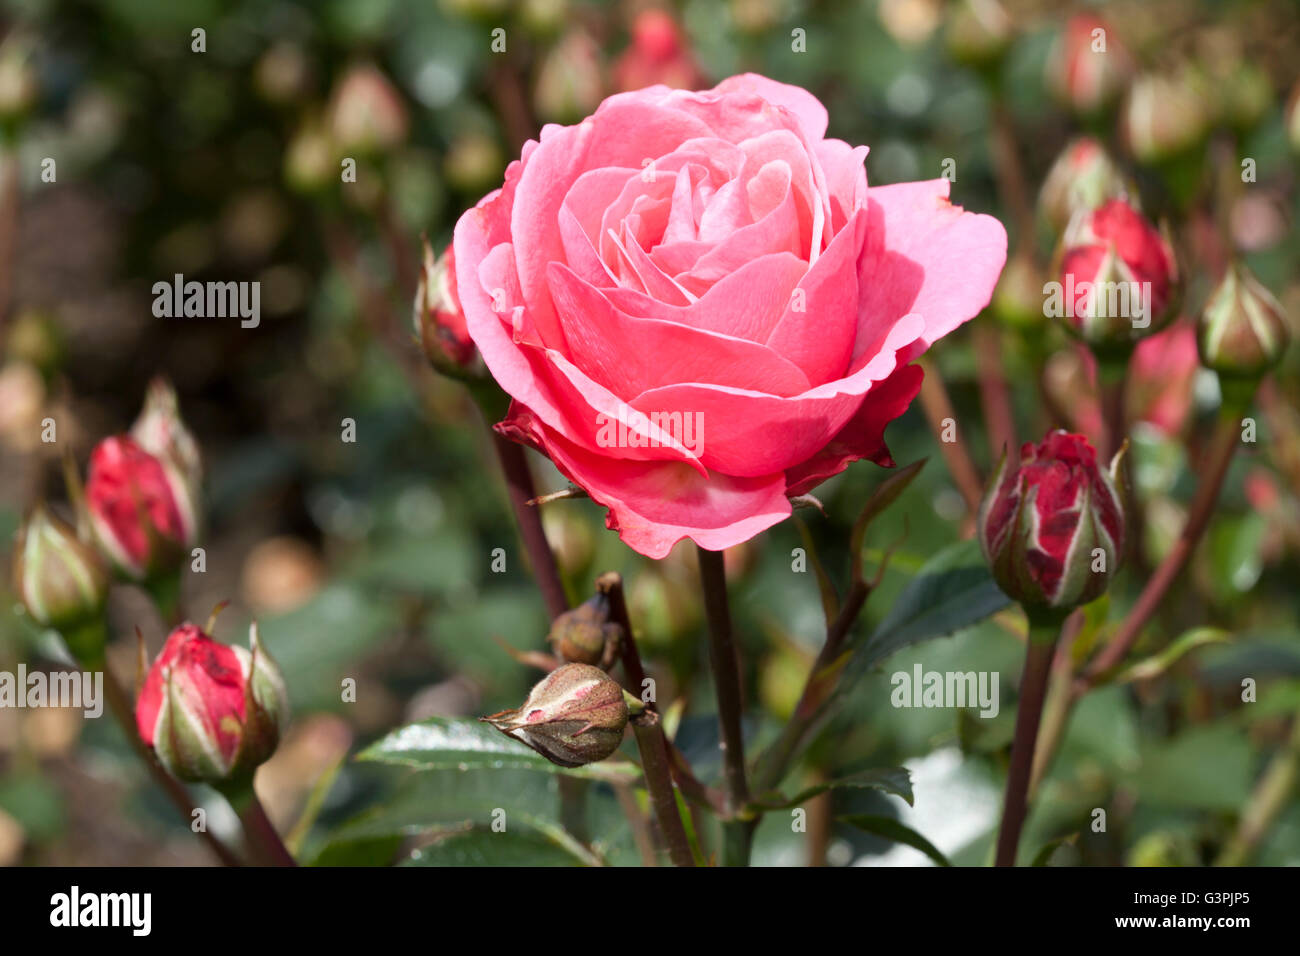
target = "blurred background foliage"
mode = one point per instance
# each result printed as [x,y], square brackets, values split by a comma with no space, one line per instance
[372,560]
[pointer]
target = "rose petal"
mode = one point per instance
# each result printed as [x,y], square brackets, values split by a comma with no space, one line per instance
[925,256]
[750,434]
[863,436]
[629,354]
[653,505]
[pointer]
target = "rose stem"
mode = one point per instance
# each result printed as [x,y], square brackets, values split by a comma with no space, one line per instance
[821,681]
[736,833]
[650,739]
[263,831]
[821,822]
[1112,378]
[1223,444]
[1040,649]
[9,198]
[1059,703]
[519,483]
[938,407]
[120,705]
[1010,175]
[1269,798]
[994,393]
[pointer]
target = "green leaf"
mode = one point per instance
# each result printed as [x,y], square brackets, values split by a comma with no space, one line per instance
[1206,768]
[433,803]
[1157,664]
[459,743]
[830,600]
[891,829]
[479,846]
[884,496]
[428,802]
[951,592]
[366,851]
[1043,857]
[892,780]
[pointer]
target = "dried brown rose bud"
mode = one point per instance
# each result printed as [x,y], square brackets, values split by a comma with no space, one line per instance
[574,716]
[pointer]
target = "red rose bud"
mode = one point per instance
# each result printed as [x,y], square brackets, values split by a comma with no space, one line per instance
[1118,277]
[1088,67]
[439,321]
[1052,527]
[658,54]
[212,712]
[1243,330]
[61,580]
[1165,115]
[1082,177]
[142,508]
[366,113]
[574,716]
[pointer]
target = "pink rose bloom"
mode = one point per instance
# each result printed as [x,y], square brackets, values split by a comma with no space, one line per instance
[700,308]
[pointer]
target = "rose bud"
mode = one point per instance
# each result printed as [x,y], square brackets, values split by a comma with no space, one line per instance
[212,712]
[1119,277]
[658,54]
[1018,299]
[61,580]
[1243,330]
[366,113]
[978,32]
[1164,116]
[1052,526]
[574,716]
[569,84]
[309,164]
[1088,67]
[439,321]
[1082,177]
[142,509]
[586,635]
[160,431]
[19,82]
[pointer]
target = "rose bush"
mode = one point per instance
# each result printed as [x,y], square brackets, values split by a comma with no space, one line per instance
[711,258]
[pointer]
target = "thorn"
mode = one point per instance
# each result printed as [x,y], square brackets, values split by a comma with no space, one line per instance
[807,501]
[573,491]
